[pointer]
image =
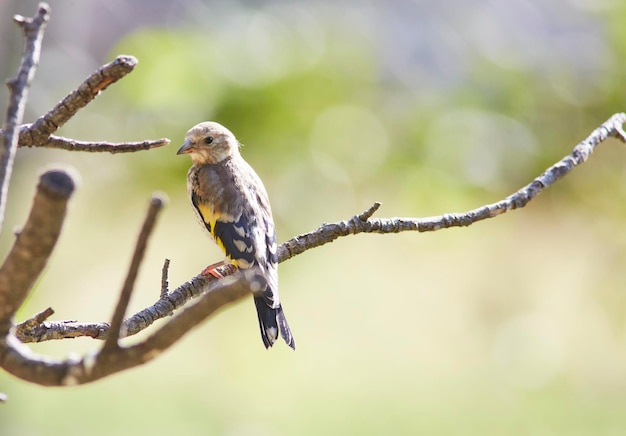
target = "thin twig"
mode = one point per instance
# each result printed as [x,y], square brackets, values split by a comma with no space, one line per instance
[326,233]
[369,212]
[99,80]
[60,142]
[18,92]
[111,343]
[165,286]
[34,321]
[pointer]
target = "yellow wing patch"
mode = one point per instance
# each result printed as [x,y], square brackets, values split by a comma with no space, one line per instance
[210,218]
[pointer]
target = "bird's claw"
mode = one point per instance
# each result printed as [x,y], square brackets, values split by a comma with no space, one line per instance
[211,270]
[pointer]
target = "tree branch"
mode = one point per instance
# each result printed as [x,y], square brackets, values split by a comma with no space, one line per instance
[18,360]
[164,307]
[326,233]
[37,134]
[60,142]
[34,244]
[18,92]
[111,343]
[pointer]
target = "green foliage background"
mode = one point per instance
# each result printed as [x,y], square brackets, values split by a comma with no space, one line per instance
[513,326]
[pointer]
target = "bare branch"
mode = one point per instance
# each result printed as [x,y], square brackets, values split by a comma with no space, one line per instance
[23,363]
[54,330]
[223,292]
[167,304]
[164,307]
[34,244]
[326,233]
[18,92]
[101,146]
[111,343]
[38,132]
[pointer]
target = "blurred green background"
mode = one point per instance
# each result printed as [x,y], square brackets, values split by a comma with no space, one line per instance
[513,326]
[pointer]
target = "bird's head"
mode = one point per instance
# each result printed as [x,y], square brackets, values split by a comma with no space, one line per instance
[209,143]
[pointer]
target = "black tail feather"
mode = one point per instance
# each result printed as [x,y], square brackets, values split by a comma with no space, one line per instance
[284,329]
[272,322]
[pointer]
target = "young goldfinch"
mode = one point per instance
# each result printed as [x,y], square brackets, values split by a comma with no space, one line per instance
[231,203]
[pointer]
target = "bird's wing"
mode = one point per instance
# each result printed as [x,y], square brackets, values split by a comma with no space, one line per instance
[239,219]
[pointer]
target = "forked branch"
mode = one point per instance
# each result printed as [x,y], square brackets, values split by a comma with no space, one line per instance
[39,133]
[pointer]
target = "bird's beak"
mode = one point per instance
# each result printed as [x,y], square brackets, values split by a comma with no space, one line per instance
[186,148]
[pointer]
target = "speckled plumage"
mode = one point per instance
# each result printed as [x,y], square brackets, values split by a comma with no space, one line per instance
[231,203]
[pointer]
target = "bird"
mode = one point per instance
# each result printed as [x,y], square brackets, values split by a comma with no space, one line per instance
[231,203]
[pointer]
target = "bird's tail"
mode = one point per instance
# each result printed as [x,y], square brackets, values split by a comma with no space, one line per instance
[272,321]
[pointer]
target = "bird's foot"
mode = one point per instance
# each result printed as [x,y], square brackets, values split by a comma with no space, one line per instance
[212,271]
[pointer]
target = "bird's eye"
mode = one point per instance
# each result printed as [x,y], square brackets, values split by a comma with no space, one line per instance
[208,140]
